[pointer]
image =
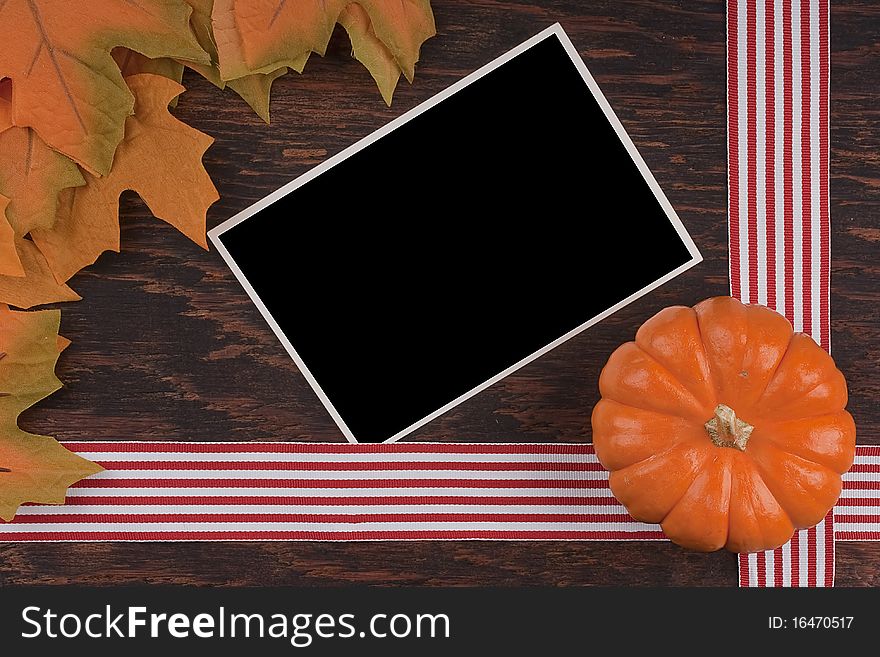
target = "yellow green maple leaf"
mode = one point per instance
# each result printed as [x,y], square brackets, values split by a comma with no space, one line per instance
[25,277]
[31,175]
[160,158]
[36,284]
[255,88]
[369,50]
[66,84]
[230,54]
[132,63]
[32,468]
[5,103]
[259,36]
[10,263]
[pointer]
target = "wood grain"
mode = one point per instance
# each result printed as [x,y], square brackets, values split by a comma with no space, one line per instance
[166,345]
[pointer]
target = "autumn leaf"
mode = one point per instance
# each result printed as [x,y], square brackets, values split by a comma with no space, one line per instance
[132,63]
[255,88]
[369,50]
[403,27]
[31,177]
[32,468]
[259,36]
[36,286]
[5,104]
[10,263]
[230,54]
[25,277]
[66,84]
[160,159]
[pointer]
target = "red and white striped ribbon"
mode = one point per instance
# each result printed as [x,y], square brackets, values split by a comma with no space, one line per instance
[341,492]
[778,92]
[857,514]
[780,251]
[307,491]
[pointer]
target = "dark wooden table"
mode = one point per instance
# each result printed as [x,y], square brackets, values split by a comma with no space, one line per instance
[166,346]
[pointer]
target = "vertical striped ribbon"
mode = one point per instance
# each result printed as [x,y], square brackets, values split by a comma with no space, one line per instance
[777,89]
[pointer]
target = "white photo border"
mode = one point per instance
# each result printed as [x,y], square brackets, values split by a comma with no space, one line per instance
[554,30]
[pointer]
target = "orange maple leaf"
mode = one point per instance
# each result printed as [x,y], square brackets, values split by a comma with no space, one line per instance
[5,103]
[10,264]
[66,84]
[160,159]
[31,174]
[31,177]
[25,277]
[38,286]
[259,36]
[132,63]
[255,88]
[32,468]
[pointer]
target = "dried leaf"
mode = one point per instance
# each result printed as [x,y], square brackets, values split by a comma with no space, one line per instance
[200,21]
[37,285]
[132,63]
[254,89]
[25,277]
[63,343]
[259,36]
[369,50]
[10,263]
[31,177]
[160,159]
[230,58]
[5,104]
[66,84]
[32,468]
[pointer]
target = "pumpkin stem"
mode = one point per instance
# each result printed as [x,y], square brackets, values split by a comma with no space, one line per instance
[727,430]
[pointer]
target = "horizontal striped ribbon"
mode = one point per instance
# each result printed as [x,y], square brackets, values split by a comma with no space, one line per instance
[857,513]
[308,491]
[342,492]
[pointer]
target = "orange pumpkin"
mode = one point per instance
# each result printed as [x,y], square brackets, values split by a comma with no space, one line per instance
[724,426]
